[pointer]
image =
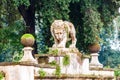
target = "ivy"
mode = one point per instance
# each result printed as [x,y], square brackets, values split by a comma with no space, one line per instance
[66,60]
[54,52]
[42,73]
[2,75]
[53,63]
[58,71]
[116,73]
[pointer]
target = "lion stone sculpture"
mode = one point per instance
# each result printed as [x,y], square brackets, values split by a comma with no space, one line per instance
[62,31]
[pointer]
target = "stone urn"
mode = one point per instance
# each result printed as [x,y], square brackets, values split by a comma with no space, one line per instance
[94,48]
[27,40]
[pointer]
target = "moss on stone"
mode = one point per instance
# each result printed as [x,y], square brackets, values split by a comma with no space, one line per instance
[27,40]
[28,36]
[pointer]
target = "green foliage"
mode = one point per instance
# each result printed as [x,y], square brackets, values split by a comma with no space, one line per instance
[117,26]
[10,40]
[21,2]
[42,73]
[117,73]
[58,71]
[27,36]
[53,51]
[73,1]
[17,56]
[66,60]
[8,13]
[52,10]
[92,25]
[11,28]
[92,20]
[1,75]
[47,12]
[108,57]
[53,63]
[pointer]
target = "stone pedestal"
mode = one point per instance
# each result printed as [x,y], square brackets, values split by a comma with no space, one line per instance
[94,61]
[27,57]
[74,66]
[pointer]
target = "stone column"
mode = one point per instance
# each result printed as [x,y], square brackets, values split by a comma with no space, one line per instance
[27,57]
[85,65]
[94,61]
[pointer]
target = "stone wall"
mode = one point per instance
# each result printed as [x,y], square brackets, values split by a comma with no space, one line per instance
[17,71]
[78,68]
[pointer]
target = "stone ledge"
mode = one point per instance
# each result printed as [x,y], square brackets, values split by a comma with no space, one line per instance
[61,52]
[49,55]
[102,69]
[26,64]
[80,76]
[73,50]
[86,56]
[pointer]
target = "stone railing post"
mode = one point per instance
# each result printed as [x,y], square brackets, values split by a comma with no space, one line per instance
[85,65]
[28,57]
[94,61]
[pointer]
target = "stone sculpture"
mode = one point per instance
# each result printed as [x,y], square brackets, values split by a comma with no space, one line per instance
[63,31]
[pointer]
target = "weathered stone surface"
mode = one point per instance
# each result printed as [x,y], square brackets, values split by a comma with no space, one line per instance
[61,30]
[95,62]
[18,72]
[78,68]
[76,77]
[28,55]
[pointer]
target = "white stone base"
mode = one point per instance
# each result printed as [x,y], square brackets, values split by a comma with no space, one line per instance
[73,68]
[109,73]
[18,72]
[27,57]
[95,62]
[77,64]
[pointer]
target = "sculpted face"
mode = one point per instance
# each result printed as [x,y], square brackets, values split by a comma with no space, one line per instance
[59,34]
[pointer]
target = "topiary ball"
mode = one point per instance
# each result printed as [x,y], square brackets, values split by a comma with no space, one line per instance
[27,40]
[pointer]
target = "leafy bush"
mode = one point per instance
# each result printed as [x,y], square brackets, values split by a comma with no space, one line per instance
[42,73]
[58,71]
[1,75]
[66,60]
[117,73]
[53,63]
[54,52]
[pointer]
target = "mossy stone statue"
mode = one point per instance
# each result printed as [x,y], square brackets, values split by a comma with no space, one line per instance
[28,40]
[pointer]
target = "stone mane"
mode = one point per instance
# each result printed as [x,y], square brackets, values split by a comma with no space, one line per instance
[63,31]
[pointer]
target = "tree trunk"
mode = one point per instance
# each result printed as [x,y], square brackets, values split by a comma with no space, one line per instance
[28,14]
